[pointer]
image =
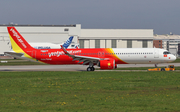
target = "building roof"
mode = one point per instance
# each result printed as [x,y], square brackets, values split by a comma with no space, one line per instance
[156,37]
[28,25]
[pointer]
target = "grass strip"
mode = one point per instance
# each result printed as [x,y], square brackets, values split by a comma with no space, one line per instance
[89,91]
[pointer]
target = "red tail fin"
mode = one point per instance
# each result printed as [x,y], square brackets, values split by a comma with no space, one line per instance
[17,41]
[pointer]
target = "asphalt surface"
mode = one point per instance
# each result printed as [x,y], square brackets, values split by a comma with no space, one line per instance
[73,67]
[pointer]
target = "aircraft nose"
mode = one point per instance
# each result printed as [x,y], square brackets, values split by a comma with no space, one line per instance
[173,58]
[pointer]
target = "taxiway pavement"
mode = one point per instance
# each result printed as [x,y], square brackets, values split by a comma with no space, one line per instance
[72,67]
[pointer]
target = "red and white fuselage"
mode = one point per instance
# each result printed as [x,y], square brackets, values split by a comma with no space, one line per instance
[106,58]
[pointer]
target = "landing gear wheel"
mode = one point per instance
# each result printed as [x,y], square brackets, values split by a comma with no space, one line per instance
[92,68]
[89,69]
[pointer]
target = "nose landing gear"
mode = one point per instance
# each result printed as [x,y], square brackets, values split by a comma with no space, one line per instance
[155,65]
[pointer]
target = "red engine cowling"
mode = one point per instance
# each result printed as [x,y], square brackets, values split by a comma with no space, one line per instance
[107,64]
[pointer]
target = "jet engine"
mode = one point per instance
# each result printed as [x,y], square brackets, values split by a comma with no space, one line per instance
[107,64]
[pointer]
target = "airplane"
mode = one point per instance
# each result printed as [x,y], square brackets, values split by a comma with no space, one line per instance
[47,45]
[105,58]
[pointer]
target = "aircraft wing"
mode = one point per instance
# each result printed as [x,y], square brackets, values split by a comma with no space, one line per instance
[13,54]
[84,59]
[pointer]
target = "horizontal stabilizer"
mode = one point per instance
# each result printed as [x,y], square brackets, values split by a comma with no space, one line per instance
[13,54]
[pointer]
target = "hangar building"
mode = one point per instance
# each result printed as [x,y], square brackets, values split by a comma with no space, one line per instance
[87,38]
[116,38]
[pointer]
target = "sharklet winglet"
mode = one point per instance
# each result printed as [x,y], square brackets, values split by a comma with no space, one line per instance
[64,50]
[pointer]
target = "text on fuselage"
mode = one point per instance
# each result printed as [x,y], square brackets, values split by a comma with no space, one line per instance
[58,53]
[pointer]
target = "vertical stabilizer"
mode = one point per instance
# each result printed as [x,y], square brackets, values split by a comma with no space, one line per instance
[17,41]
[68,42]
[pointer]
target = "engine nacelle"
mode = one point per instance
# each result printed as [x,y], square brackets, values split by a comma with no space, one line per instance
[107,64]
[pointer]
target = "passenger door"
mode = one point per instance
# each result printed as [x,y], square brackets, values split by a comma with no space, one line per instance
[156,53]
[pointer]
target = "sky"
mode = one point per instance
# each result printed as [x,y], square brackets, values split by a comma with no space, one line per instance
[161,15]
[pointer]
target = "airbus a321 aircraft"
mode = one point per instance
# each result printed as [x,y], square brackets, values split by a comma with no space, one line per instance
[105,58]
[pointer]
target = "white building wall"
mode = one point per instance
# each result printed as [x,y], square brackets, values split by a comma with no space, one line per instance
[53,38]
[102,44]
[108,43]
[6,46]
[86,43]
[135,44]
[164,44]
[121,43]
[139,44]
[117,33]
[150,44]
[92,44]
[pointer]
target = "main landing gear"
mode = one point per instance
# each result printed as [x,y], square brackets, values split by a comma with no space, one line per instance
[91,67]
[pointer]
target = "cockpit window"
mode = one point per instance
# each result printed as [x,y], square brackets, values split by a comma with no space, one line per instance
[166,52]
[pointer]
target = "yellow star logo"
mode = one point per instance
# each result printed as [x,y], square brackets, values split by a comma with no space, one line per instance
[109,64]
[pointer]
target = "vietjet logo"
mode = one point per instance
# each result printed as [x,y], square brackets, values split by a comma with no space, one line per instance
[58,53]
[18,37]
[165,55]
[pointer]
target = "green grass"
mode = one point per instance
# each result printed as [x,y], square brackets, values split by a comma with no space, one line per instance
[89,91]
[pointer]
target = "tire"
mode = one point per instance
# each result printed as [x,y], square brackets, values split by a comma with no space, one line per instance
[92,68]
[89,69]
